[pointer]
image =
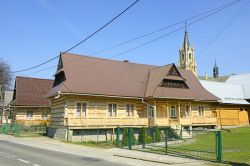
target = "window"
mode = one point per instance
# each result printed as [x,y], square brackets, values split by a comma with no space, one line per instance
[112,109]
[44,115]
[130,109]
[201,110]
[81,109]
[190,56]
[173,112]
[151,111]
[187,111]
[173,84]
[183,57]
[29,115]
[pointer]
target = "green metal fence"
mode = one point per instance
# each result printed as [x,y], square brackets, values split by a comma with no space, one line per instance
[22,130]
[202,144]
[236,146]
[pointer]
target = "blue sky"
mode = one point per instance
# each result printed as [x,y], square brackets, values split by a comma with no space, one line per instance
[33,31]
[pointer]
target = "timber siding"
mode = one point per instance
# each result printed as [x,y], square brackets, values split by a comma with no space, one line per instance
[233,115]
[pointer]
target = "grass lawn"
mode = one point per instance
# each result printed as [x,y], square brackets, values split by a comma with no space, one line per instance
[235,146]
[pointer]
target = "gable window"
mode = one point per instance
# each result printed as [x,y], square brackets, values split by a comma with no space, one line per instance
[173,112]
[201,110]
[29,115]
[81,109]
[130,109]
[173,84]
[112,109]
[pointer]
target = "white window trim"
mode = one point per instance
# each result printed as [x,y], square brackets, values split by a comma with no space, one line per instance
[130,110]
[87,107]
[107,112]
[203,112]
[171,112]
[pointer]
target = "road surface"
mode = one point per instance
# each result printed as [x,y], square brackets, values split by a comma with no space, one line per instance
[12,154]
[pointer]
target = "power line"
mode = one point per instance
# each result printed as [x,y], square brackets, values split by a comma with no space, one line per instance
[223,29]
[216,10]
[164,28]
[82,41]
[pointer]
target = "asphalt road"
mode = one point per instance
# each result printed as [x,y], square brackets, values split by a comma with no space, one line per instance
[12,154]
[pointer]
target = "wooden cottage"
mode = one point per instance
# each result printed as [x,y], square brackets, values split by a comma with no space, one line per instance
[29,105]
[91,94]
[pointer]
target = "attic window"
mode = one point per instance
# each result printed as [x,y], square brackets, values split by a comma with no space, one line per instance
[173,84]
[60,77]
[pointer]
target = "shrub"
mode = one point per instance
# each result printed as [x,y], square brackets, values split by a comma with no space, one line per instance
[125,137]
[149,139]
[157,134]
[142,136]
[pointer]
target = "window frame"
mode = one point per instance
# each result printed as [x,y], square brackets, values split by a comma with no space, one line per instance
[112,109]
[129,110]
[175,110]
[201,112]
[80,113]
[29,117]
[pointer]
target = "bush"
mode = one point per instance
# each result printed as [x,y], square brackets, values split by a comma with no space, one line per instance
[157,134]
[149,139]
[142,136]
[125,137]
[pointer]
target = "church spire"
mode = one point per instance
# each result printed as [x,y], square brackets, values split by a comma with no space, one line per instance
[186,40]
[215,70]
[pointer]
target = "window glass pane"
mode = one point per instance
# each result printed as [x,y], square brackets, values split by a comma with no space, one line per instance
[78,109]
[110,107]
[84,108]
[114,109]
[29,114]
[127,109]
[132,110]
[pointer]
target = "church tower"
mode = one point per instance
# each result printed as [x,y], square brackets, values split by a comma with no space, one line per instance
[215,71]
[186,56]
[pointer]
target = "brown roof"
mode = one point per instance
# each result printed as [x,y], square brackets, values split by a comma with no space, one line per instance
[31,92]
[194,91]
[91,75]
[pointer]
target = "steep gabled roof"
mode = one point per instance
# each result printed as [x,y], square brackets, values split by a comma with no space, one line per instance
[31,92]
[90,75]
[96,76]
[193,91]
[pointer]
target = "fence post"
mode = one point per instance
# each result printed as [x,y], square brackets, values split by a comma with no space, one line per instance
[129,139]
[181,133]
[154,134]
[218,146]
[166,140]
[118,130]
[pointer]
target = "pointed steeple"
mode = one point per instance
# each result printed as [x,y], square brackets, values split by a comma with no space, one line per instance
[215,70]
[186,40]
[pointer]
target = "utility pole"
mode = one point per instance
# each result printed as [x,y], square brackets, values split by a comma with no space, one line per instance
[1,95]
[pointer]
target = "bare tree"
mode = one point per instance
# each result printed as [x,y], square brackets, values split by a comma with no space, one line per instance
[5,75]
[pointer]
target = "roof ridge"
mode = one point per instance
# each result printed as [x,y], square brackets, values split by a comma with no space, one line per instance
[35,78]
[106,59]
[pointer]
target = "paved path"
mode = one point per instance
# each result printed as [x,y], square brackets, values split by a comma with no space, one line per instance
[45,152]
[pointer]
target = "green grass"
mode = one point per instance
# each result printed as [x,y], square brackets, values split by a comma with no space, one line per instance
[235,146]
